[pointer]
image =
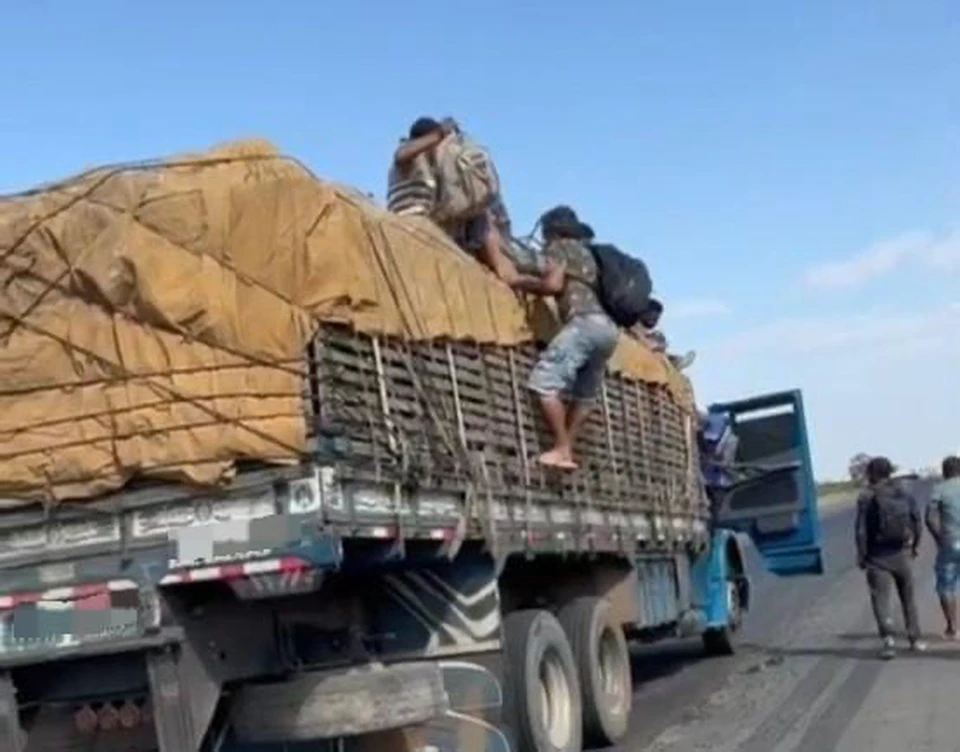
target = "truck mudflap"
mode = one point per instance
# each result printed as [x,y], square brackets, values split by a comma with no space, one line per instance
[184,696]
[12,737]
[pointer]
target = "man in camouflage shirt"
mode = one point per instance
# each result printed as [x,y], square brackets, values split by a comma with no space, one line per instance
[570,371]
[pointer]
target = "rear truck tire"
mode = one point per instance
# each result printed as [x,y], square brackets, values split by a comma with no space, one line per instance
[333,704]
[603,667]
[722,641]
[542,704]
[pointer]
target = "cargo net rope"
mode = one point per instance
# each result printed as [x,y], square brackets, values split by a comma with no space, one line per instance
[155,319]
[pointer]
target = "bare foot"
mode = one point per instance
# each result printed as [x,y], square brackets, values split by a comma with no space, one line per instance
[559,459]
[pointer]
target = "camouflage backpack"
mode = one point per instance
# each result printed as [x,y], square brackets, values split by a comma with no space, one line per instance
[468,180]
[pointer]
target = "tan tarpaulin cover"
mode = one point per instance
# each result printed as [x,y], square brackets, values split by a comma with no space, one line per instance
[153,320]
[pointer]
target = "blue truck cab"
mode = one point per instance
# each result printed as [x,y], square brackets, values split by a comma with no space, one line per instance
[758,475]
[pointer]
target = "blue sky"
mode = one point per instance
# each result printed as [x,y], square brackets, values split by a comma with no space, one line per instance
[790,171]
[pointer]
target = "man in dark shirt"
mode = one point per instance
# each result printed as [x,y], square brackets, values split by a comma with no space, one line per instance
[570,371]
[888,533]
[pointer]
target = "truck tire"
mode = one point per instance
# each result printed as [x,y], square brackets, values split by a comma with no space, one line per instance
[603,665]
[723,640]
[541,692]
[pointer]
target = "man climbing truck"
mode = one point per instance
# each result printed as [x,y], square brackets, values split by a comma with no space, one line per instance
[270,479]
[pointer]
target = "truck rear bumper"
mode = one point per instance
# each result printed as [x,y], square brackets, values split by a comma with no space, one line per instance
[43,653]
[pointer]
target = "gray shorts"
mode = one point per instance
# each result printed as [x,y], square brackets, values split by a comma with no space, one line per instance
[574,362]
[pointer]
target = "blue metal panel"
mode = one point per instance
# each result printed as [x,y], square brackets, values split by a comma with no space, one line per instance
[710,575]
[769,492]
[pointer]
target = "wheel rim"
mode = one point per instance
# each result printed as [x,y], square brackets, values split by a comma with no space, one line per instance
[613,682]
[556,706]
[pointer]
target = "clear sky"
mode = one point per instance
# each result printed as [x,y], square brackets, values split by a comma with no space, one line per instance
[790,170]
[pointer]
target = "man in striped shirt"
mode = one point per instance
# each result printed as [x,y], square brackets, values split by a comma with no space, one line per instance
[412,183]
[413,190]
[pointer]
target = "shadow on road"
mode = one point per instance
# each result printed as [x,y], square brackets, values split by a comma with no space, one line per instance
[938,651]
[858,636]
[652,662]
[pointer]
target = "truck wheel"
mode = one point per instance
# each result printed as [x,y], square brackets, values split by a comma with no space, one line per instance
[722,641]
[603,664]
[541,692]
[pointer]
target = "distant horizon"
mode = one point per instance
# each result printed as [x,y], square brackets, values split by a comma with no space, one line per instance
[791,173]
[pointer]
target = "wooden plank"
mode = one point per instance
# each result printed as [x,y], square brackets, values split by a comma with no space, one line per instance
[494,418]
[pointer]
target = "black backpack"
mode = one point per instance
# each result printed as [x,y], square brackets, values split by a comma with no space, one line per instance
[892,517]
[623,284]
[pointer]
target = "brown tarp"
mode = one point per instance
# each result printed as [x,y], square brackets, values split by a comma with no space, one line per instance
[153,318]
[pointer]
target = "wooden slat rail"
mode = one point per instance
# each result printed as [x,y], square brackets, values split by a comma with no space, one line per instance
[427,410]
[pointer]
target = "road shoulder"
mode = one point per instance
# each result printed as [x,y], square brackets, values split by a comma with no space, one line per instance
[820,686]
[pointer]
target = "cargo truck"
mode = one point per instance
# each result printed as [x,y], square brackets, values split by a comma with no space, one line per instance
[413,578]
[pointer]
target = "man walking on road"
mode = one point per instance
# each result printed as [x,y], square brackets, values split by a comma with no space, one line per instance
[943,521]
[888,533]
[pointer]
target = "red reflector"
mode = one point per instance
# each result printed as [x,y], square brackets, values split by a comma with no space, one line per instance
[85,720]
[129,715]
[109,717]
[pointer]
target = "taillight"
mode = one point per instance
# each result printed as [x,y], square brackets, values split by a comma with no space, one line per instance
[129,715]
[86,720]
[109,717]
[112,716]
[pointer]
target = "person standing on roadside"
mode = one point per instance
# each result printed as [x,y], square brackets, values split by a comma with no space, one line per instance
[943,522]
[888,533]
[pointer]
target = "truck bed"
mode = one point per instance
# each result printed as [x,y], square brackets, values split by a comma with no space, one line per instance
[459,416]
[433,441]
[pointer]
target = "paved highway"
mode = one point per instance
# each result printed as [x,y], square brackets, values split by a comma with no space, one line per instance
[807,678]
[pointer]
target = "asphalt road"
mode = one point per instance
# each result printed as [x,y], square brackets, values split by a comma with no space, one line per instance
[676,686]
[808,677]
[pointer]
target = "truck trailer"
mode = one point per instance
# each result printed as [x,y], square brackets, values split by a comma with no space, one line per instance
[399,573]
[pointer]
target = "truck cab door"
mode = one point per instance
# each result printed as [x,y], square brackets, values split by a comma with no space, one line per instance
[771,494]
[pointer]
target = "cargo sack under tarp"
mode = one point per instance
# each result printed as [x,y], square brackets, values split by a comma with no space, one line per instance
[412,190]
[623,284]
[468,179]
